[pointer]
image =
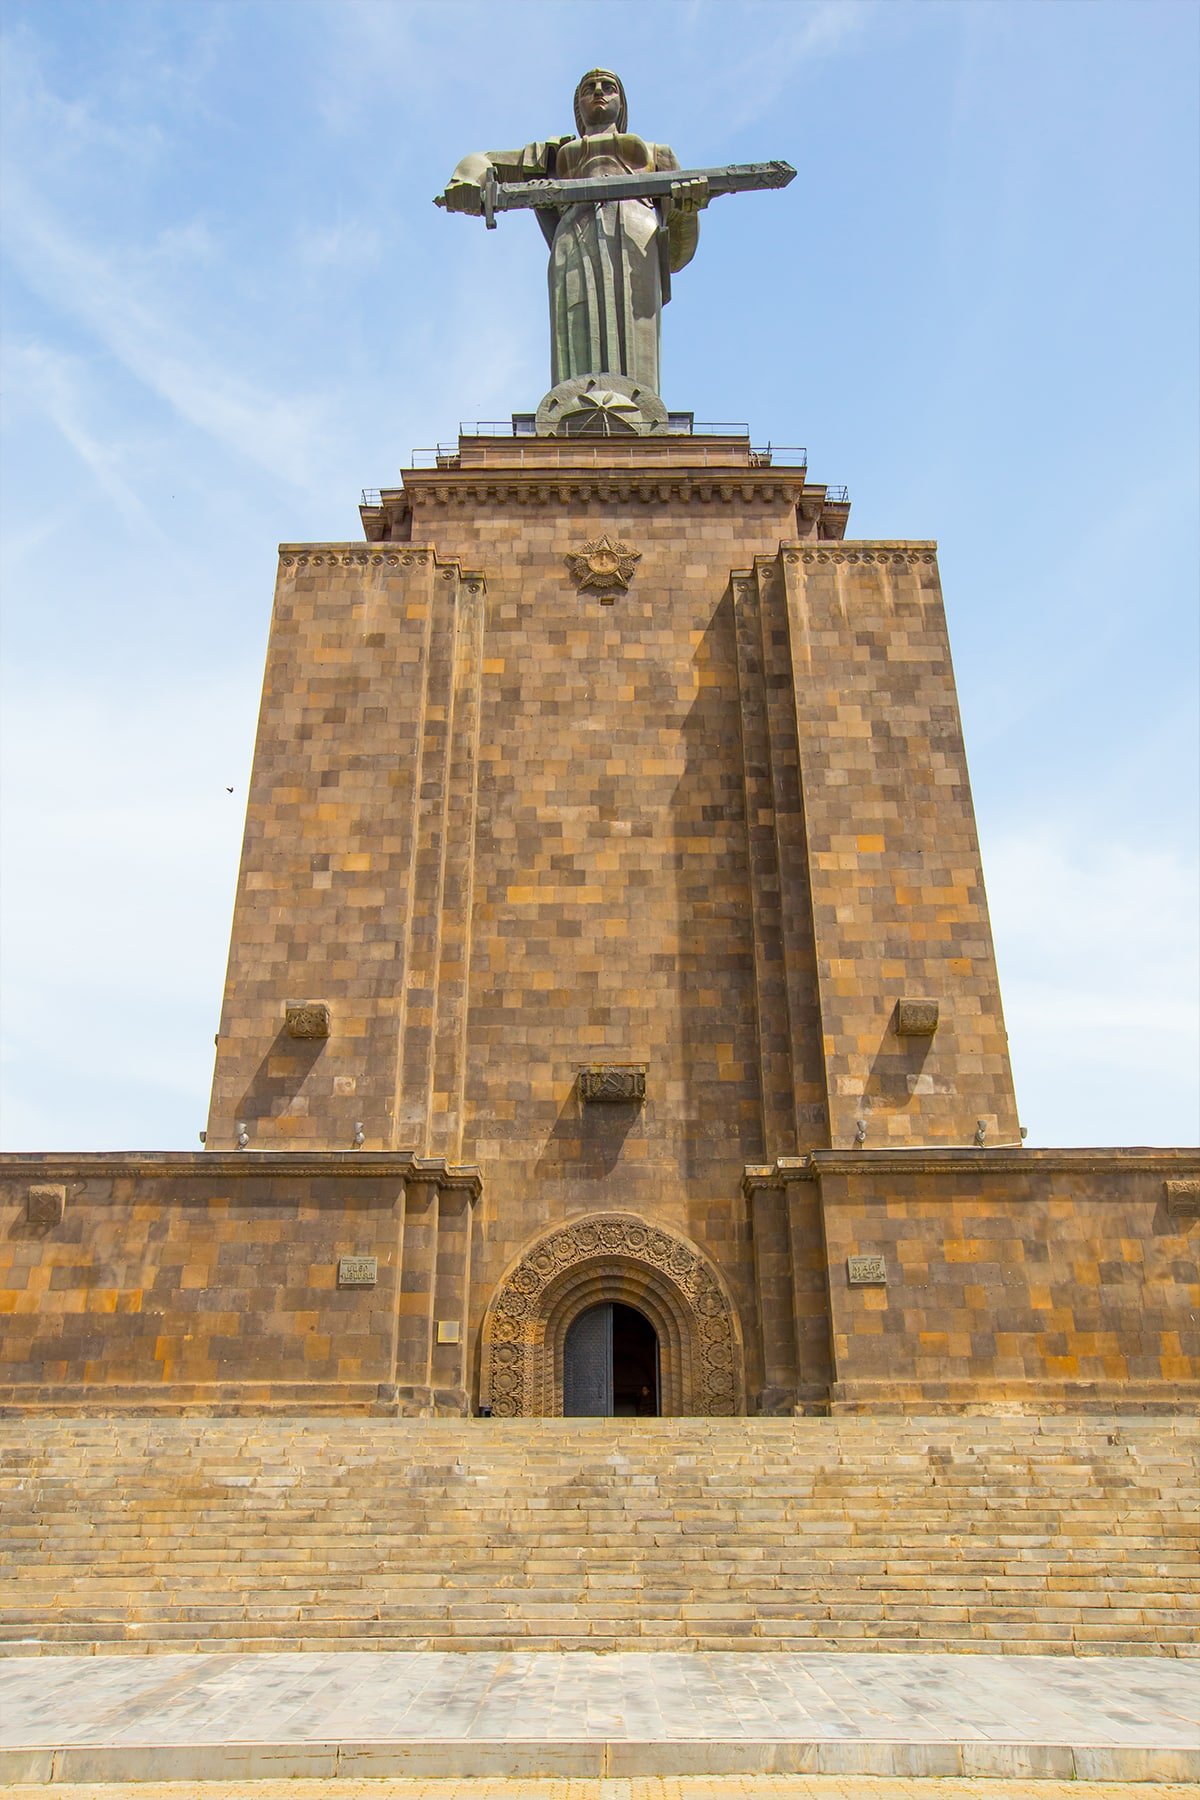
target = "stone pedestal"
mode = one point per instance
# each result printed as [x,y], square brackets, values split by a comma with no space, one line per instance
[610,753]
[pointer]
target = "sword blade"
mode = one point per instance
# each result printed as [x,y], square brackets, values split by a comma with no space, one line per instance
[732,178]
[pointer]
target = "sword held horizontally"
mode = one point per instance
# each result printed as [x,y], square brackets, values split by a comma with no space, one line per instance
[511,196]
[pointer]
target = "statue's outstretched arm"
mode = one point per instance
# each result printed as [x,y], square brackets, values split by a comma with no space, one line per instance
[463,190]
[683,227]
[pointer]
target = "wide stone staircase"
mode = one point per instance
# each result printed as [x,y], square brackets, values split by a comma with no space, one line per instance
[1063,1533]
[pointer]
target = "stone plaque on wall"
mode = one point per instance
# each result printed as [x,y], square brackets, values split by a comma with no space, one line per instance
[358,1271]
[866,1271]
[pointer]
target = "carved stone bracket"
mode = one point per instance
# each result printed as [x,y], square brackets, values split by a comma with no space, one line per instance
[1183,1197]
[310,1020]
[45,1204]
[916,1018]
[613,1084]
[779,1174]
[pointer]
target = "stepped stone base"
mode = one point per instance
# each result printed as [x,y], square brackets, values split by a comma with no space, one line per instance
[1069,1534]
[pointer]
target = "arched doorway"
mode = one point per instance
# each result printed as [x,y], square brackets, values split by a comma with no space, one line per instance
[610,1364]
[620,1260]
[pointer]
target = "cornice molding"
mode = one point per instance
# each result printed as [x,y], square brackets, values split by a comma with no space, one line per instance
[389,556]
[898,554]
[969,1161]
[238,1165]
[706,487]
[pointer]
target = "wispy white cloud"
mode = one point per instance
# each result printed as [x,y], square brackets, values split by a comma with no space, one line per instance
[1103,1005]
[97,288]
[748,86]
[53,384]
[347,246]
[131,286]
[409,54]
[70,132]
[1082,577]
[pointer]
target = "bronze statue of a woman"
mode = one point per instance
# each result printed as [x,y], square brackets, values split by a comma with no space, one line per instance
[611,262]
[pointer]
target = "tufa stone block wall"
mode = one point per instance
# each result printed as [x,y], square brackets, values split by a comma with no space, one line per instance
[342,871]
[1039,1279]
[218,1281]
[894,868]
[713,822]
[605,754]
[1042,1277]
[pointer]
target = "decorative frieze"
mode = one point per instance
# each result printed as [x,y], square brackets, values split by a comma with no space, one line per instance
[358,558]
[898,555]
[607,488]
[363,556]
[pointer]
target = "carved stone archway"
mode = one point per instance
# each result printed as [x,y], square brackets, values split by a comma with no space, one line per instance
[622,1258]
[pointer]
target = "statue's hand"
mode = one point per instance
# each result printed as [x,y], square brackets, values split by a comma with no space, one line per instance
[463,197]
[690,196]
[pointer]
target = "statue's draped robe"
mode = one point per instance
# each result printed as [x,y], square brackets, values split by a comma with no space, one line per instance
[610,264]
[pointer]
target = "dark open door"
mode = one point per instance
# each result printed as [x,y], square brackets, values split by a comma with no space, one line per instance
[610,1365]
[588,1365]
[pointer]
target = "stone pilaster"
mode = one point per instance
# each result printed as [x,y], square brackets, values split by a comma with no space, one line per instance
[452,1297]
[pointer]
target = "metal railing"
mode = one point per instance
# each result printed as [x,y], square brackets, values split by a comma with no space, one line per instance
[522,425]
[436,456]
[762,456]
[837,496]
[784,456]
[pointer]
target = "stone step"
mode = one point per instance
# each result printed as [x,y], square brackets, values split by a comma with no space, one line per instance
[1078,1535]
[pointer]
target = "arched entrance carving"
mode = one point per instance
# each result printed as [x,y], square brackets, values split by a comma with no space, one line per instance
[622,1258]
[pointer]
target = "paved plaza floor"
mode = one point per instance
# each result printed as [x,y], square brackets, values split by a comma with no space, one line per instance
[647,1787]
[436,1714]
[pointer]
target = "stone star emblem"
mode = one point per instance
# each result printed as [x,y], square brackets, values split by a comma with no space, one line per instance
[602,410]
[602,565]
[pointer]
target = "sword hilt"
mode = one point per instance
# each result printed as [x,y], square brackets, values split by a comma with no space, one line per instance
[489,185]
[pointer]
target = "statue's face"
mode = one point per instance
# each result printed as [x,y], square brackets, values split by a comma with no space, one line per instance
[599,102]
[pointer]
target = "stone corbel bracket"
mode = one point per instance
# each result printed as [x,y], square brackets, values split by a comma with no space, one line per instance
[915,1018]
[307,1020]
[1183,1197]
[613,1084]
[45,1205]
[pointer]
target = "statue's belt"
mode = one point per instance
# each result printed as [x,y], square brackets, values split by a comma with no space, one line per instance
[733,178]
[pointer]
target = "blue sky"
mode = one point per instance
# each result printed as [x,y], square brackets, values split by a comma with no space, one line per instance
[229,305]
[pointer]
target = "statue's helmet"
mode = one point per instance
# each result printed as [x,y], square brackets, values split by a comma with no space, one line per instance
[622,116]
